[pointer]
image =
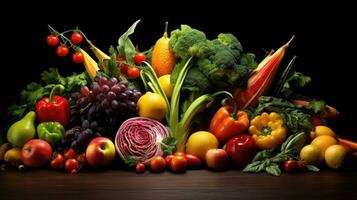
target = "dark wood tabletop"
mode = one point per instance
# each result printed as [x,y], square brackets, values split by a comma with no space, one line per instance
[196,184]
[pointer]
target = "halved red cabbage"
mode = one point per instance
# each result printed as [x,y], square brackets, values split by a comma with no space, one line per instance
[140,138]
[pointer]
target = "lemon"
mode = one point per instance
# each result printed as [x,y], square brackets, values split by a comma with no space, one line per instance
[13,155]
[163,59]
[152,105]
[311,154]
[335,156]
[323,142]
[322,130]
[165,83]
[200,142]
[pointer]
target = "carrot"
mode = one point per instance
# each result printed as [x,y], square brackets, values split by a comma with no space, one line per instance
[329,111]
[348,143]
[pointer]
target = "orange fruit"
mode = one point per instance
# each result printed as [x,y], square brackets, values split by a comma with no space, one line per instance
[323,142]
[311,154]
[335,156]
[163,59]
[200,142]
[322,130]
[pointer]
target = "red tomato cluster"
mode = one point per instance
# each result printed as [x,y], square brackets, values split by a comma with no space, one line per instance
[70,161]
[131,71]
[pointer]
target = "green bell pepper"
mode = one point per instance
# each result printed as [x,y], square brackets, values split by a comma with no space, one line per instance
[52,132]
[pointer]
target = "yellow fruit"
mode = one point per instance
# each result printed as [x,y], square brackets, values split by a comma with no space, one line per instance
[152,105]
[322,130]
[165,84]
[163,59]
[323,142]
[311,154]
[200,142]
[13,155]
[335,156]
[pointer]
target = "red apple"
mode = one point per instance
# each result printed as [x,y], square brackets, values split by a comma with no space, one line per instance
[216,159]
[241,150]
[100,152]
[36,153]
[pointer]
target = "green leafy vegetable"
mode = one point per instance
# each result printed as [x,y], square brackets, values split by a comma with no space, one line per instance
[318,107]
[131,161]
[168,145]
[125,46]
[296,80]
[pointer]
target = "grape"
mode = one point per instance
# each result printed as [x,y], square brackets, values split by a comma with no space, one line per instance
[129,93]
[114,80]
[105,89]
[111,95]
[101,130]
[102,81]
[136,96]
[75,95]
[82,102]
[125,82]
[122,96]
[114,104]
[131,105]
[122,87]
[109,112]
[116,89]
[122,105]
[69,134]
[97,134]
[84,90]
[100,97]
[96,78]
[85,124]
[74,144]
[91,96]
[94,125]
[104,103]
[96,88]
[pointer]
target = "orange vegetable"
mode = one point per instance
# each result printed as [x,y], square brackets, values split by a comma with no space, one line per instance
[329,111]
[348,143]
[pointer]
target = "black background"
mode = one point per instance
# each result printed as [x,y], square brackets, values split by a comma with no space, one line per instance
[324,36]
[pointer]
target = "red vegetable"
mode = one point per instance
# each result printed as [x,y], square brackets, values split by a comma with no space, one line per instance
[139,58]
[71,164]
[193,162]
[52,40]
[179,164]
[57,162]
[133,72]
[78,57]
[157,164]
[140,168]
[53,108]
[62,51]
[76,38]
[290,166]
[139,138]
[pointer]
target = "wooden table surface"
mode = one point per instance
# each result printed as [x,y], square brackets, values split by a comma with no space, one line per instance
[196,184]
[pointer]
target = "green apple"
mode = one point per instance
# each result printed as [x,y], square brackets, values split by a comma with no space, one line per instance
[100,152]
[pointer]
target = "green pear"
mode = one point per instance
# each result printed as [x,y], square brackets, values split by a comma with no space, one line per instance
[23,130]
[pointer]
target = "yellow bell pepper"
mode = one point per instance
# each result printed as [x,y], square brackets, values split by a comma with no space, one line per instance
[268,130]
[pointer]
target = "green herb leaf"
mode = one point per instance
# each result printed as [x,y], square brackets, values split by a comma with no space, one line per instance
[125,46]
[254,167]
[312,168]
[264,154]
[294,143]
[317,106]
[52,76]
[273,169]
[131,161]
[168,145]
[112,68]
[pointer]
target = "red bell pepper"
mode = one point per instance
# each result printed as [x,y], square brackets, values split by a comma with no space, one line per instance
[228,122]
[53,108]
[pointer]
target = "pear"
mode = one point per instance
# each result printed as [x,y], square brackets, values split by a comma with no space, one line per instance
[23,130]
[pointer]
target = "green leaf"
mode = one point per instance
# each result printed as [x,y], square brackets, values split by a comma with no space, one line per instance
[312,168]
[317,106]
[168,145]
[264,154]
[273,169]
[254,167]
[294,142]
[125,46]
[112,68]
[131,161]
[52,76]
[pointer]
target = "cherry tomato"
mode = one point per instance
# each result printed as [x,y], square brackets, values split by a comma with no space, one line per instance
[78,57]
[180,154]
[157,164]
[71,153]
[57,162]
[133,72]
[52,40]
[139,58]
[74,171]
[179,164]
[81,157]
[140,168]
[123,66]
[193,162]
[76,38]
[301,166]
[290,166]
[71,164]
[168,159]
[62,51]
[120,58]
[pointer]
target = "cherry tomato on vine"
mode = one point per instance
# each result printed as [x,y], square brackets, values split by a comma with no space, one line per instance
[57,162]
[123,67]
[140,168]
[133,72]
[76,38]
[62,51]
[52,40]
[139,58]
[71,164]
[70,153]
[78,57]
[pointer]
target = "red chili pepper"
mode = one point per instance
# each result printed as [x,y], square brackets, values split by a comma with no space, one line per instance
[53,108]
[228,122]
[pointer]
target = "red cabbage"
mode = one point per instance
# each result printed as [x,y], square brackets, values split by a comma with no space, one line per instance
[140,138]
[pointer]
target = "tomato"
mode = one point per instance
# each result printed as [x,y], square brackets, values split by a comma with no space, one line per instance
[71,164]
[157,164]
[140,168]
[180,154]
[133,72]
[139,58]
[57,162]
[123,67]
[193,162]
[74,171]
[78,57]
[168,160]
[76,38]
[71,153]
[52,40]
[62,51]
[179,164]
[290,166]
[81,157]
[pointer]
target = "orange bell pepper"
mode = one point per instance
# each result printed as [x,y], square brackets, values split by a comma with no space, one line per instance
[228,122]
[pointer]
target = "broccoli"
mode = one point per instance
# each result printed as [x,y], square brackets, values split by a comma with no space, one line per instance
[232,42]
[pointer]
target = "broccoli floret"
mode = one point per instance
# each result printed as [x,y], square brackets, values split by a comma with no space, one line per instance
[232,42]
[182,40]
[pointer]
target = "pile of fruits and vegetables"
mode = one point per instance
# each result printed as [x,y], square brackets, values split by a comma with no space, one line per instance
[189,102]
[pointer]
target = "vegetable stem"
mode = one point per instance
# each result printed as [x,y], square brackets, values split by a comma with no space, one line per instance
[166,28]
[56,88]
